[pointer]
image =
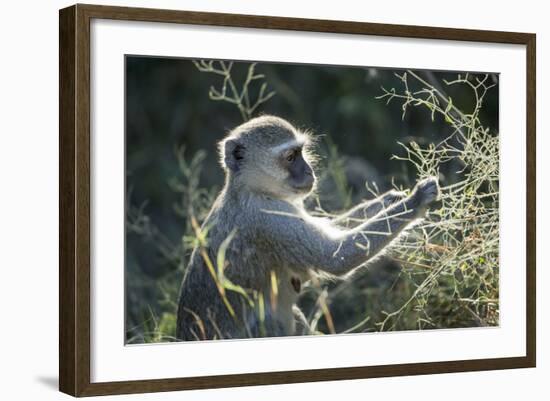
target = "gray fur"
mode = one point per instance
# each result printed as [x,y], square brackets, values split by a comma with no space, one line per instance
[274,235]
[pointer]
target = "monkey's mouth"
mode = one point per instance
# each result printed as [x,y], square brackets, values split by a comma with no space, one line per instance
[305,186]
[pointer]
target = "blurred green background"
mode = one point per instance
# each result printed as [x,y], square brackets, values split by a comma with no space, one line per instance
[168,106]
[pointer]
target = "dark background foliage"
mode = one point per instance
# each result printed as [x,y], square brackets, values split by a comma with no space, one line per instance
[167,105]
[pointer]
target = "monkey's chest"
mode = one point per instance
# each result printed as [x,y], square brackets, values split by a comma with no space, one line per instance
[288,290]
[296,283]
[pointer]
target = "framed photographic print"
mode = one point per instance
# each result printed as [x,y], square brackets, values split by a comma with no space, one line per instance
[251,200]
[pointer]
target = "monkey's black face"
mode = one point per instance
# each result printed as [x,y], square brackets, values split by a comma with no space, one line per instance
[300,175]
[268,156]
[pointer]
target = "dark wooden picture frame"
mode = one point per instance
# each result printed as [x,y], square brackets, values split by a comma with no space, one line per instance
[74,199]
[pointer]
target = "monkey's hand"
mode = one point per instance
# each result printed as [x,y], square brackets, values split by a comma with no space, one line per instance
[426,192]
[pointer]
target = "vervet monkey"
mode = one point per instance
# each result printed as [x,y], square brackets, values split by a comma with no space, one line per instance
[275,243]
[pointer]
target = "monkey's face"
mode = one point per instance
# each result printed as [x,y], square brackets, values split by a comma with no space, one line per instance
[282,172]
[269,156]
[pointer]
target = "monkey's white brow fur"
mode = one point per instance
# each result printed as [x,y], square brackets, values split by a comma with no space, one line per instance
[288,145]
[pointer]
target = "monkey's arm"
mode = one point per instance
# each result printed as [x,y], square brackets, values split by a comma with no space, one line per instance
[303,243]
[368,209]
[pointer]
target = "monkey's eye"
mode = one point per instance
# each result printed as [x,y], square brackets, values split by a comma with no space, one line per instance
[292,155]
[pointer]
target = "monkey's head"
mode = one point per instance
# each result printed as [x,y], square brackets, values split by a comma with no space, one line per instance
[267,155]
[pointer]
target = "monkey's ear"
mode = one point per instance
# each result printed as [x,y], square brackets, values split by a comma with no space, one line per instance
[232,154]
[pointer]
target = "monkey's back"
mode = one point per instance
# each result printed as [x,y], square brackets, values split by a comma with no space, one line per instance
[203,313]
